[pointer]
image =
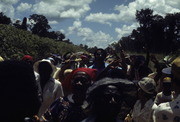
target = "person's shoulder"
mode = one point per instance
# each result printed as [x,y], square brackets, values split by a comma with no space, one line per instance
[163,108]
[106,64]
[89,119]
[159,94]
[56,82]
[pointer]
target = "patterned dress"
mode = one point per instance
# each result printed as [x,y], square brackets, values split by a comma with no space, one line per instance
[168,112]
[64,110]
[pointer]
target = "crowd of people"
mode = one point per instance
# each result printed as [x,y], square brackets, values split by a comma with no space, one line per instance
[81,87]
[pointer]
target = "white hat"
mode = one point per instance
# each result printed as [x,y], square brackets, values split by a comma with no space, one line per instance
[167,70]
[36,64]
[147,84]
[1,59]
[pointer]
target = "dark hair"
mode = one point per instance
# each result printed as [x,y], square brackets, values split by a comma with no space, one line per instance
[104,53]
[19,91]
[45,71]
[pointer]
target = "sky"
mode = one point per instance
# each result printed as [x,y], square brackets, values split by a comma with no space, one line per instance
[89,22]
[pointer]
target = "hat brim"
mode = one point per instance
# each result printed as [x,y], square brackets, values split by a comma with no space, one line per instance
[36,64]
[167,70]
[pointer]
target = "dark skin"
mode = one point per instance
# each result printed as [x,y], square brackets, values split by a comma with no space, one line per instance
[108,106]
[81,81]
[99,57]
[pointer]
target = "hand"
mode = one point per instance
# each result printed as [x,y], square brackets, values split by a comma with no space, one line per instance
[115,63]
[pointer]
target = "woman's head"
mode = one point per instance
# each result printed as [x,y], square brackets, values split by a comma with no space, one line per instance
[109,100]
[106,95]
[79,79]
[44,67]
[147,87]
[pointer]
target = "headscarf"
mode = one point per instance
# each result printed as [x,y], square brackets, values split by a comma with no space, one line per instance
[27,57]
[67,82]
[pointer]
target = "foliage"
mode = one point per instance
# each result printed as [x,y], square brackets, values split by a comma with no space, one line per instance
[4,19]
[16,42]
[39,24]
[157,34]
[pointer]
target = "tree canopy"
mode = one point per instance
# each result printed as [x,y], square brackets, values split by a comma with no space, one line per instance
[4,19]
[157,33]
[39,25]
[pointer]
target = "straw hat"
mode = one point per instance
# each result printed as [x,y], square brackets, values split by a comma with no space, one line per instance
[176,68]
[36,65]
[1,59]
[147,84]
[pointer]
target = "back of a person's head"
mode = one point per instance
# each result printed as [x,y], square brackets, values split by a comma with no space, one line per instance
[19,91]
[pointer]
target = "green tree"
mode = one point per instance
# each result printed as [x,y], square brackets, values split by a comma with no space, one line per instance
[4,19]
[172,31]
[24,24]
[145,19]
[39,25]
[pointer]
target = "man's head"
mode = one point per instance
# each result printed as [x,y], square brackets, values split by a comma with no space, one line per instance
[100,54]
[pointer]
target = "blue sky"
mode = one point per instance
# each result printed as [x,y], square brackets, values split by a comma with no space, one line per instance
[90,22]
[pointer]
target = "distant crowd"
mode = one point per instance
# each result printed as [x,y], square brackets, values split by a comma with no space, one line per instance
[82,87]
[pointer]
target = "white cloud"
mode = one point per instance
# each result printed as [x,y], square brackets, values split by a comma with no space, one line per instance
[89,37]
[62,8]
[53,22]
[125,30]
[102,18]
[6,6]
[7,9]
[23,7]
[62,31]
[9,1]
[127,13]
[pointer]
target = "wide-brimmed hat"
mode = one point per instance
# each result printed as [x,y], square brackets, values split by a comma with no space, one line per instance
[167,70]
[36,65]
[147,84]
[1,59]
[126,87]
[67,71]
[174,69]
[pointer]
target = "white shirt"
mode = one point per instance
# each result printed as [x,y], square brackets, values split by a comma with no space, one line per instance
[52,90]
[92,119]
[161,98]
[144,114]
[168,112]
